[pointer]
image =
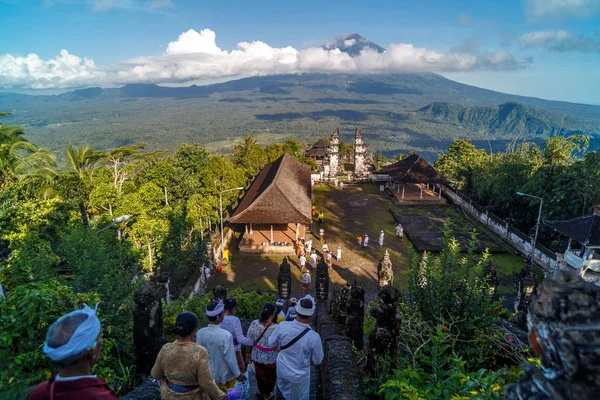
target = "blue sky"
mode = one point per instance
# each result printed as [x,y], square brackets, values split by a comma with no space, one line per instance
[542,48]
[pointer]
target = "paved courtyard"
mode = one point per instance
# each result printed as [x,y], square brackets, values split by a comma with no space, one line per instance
[353,211]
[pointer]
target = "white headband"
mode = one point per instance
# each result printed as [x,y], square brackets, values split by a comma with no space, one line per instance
[217,311]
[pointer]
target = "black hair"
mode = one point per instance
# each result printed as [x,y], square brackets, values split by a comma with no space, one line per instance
[267,310]
[230,304]
[185,324]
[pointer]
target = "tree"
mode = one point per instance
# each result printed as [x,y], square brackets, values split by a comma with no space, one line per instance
[250,155]
[460,162]
[82,162]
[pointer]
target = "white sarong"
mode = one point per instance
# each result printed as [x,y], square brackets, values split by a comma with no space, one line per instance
[294,391]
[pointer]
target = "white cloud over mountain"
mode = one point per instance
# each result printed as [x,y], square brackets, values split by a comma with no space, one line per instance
[196,55]
[561,9]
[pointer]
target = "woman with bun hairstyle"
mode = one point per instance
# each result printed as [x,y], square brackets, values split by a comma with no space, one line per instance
[263,356]
[183,365]
[233,325]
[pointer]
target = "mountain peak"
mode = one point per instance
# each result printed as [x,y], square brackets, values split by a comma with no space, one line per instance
[351,43]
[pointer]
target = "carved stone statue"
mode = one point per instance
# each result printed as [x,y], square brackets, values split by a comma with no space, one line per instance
[284,280]
[525,285]
[564,331]
[322,287]
[385,273]
[490,273]
[382,339]
[340,305]
[356,315]
[148,326]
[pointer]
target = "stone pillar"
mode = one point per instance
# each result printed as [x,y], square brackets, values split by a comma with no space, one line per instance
[382,339]
[284,280]
[340,305]
[361,169]
[385,273]
[563,332]
[148,335]
[322,285]
[525,285]
[356,316]
[333,154]
[403,186]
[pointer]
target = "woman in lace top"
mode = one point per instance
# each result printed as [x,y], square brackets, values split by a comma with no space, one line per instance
[263,356]
[232,324]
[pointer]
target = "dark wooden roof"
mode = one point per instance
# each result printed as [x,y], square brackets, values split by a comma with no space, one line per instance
[319,149]
[414,169]
[280,194]
[584,230]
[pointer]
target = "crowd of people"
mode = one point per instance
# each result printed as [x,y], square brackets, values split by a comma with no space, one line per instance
[202,363]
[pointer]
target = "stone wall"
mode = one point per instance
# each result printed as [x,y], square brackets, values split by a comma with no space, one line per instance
[521,242]
[340,374]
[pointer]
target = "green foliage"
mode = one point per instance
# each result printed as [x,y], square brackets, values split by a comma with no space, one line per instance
[25,315]
[440,374]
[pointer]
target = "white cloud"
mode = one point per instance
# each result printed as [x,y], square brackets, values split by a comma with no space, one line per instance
[561,9]
[63,71]
[196,56]
[559,40]
[157,4]
[349,43]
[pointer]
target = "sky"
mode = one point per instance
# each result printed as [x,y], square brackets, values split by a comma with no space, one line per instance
[542,48]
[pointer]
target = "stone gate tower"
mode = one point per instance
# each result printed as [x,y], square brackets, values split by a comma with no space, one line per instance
[361,169]
[333,153]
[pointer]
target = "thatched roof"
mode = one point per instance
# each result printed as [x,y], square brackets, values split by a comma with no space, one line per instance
[584,230]
[414,169]
[319,149]
[280,194]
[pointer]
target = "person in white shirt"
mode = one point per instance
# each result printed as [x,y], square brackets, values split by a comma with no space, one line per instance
[219,344]
[232,324]
[305,281]
[339,253]
[290,315]
[381,235]
[366,241]
[399,231]
[325,248]
[313,259]
[302,262]
[308,245]
[321,233]
[299,345]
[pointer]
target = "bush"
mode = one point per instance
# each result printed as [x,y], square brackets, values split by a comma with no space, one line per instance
[25,315]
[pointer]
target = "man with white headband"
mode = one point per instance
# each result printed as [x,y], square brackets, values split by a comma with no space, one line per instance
[219,344]
[298,346]
[74,345]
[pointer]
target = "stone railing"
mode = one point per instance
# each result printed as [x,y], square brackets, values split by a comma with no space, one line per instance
[340,374]
[521,242]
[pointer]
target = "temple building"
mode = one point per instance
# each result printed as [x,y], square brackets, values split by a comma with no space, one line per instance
[318,152]
[276,209]
[585,231]
[413,178]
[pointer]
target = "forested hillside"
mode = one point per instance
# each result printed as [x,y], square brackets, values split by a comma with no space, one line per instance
[275,108]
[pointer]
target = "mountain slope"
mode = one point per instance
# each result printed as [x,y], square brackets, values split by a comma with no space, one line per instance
[304,107]
[509,119]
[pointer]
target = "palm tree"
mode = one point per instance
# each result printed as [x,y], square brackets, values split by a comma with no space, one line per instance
[20,159]
[82,161]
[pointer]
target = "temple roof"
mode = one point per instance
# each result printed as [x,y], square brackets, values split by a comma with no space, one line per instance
[414,169]
[280,194]
[319,149]
[584,230]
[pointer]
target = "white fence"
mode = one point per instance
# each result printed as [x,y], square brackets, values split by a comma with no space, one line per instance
[545,258]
